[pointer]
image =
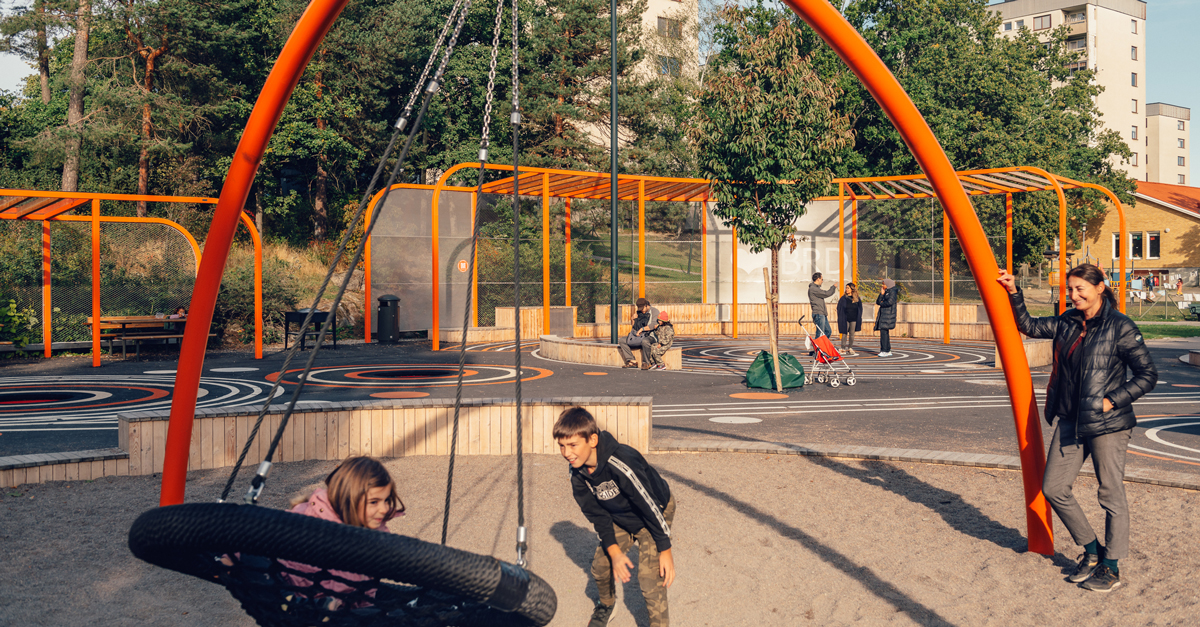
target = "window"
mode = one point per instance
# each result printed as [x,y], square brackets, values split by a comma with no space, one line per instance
[1133,26]
[1020,23]
[1116,245]
[1077,45]
[1179,125]
[1180,161]
[1135,105]
[1133,79]
[1135,159]
[1181,179]
[1133,53]
[1133,135]
[1152,241]
[1008,26]
[669,66]
[668,27]
[1041,22]
[1135,245]
[1181,142]
[1076,17]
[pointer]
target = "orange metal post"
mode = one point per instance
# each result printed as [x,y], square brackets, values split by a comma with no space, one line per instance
[258,300]
[886,90]
[46,306]
[567,255]
[305,37]
[704,251]
[545,254]
[735,285]
[1008,217]
[842,235]
[474,267]
[96,284]
[435,329]
[1062,252]
[946,278]
[367,278]
[641,238]
[854,239]
[1121,282]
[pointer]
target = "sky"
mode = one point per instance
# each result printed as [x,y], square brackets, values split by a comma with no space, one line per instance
[1171,76]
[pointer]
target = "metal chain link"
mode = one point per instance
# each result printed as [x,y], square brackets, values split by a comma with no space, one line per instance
[453,41]
[491,87]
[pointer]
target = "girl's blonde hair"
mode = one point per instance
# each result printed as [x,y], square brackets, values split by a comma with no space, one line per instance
[349,484]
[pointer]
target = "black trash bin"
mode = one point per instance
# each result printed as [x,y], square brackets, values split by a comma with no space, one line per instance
[387,329]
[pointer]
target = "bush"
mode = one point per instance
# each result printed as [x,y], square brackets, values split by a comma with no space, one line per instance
[17,325]
[235,303]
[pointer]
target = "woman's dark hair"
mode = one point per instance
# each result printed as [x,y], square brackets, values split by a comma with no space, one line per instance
[1095,276]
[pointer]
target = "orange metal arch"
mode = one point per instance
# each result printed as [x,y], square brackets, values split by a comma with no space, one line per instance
[301,44]
[870,69]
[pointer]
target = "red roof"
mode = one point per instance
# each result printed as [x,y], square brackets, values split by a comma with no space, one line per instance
[1182,196]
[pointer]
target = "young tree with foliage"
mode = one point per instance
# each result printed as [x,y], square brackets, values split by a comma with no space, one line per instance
[769,136]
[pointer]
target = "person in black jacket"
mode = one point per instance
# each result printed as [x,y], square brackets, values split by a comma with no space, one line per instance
[885,319]
[626,501]
[849,315]
[1094,343]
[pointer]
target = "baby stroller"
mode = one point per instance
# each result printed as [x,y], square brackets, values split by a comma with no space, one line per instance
[825,361]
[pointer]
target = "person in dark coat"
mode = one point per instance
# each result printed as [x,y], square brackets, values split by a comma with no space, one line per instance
[849,315]
[885,319]
[1088,393]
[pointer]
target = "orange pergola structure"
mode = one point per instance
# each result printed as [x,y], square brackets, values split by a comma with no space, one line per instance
[47,207]
[833,28]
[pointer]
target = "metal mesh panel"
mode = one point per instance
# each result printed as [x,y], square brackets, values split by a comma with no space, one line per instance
[145,269]
[21,264]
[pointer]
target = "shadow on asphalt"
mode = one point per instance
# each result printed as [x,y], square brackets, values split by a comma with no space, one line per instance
[580,544]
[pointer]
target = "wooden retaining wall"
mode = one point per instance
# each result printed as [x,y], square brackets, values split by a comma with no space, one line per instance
[596,353]
[1038,352]
[391,428]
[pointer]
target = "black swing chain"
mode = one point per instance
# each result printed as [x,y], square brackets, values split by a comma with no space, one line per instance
[429,91]
[522,539]
[462,352]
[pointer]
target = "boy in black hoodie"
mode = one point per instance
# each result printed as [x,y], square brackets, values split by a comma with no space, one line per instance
[627,501]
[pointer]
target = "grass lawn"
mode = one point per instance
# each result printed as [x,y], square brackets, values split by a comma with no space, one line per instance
[1157,331]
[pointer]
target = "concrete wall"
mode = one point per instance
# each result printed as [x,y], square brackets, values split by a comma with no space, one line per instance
[1179,248]
[1162,149]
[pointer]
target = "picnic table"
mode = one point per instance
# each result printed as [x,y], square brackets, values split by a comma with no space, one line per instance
[139,328]
[297,317]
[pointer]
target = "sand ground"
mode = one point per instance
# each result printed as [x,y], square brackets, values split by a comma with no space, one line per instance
[760,540]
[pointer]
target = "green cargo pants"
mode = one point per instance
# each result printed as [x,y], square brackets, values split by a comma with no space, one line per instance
[647,570]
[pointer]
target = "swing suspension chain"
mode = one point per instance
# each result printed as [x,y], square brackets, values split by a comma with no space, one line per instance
[522,539]
[429,91]
[402,121]
[462,352]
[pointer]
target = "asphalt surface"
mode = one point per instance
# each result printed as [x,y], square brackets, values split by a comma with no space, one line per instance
[926,396]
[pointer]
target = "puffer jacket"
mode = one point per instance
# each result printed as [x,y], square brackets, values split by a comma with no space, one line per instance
[1113,342]
[886,318]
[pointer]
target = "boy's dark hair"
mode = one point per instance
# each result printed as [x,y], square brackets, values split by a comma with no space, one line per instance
[816,275]
[575,421]
[642,302]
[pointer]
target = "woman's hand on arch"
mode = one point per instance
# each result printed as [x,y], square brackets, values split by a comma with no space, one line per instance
[1007,281]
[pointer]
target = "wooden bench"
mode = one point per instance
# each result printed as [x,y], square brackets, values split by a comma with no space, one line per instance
[137,329]
[597,353]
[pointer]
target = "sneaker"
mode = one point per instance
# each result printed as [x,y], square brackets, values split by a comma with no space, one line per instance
[600,615]
[1084,569]
[1103,579]
[630,364]
[647,366]
[851,353]
[660,366]
[887,354]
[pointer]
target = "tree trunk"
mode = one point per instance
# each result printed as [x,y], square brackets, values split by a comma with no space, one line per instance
[775,289]
[151,56]
[43,53]
[74,142]
[320,197]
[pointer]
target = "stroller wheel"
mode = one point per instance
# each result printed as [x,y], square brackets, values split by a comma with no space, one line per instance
[834,383]
[822,378]
[807,380]
[851,381]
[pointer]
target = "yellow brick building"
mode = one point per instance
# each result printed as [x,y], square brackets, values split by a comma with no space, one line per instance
[1163,237]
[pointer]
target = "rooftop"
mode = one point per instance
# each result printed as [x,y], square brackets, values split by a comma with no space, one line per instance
[1185,199]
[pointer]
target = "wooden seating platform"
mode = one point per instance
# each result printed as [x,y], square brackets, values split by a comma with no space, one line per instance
[597,353]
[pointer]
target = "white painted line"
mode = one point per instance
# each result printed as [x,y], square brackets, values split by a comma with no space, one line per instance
[234,370]
[159,372]
[735,420]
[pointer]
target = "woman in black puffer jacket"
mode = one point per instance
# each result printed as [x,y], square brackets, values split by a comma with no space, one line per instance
[1094,343]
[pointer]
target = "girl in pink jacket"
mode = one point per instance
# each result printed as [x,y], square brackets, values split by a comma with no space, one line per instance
[358,492]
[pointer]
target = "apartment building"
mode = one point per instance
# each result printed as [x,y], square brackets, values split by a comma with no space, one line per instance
[1167,143]
[1110,36]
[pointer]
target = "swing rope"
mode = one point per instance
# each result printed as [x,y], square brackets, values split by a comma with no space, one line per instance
[460,11]
[522,540]
[462,352]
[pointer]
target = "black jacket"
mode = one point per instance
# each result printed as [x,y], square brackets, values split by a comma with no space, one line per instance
[886,318]
[1113,342]
[848,312]
[624,490]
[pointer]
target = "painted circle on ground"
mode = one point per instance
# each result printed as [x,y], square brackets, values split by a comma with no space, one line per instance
[931,371]
[159,372]
[409,374]
[759,396]
[596,374]
[393,376]
[400,395]
[735,420]
[234,370]
[1184,385]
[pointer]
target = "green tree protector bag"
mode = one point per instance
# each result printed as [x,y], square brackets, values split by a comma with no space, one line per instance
[762,372]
